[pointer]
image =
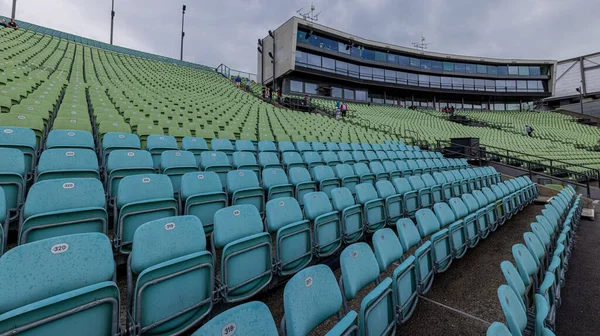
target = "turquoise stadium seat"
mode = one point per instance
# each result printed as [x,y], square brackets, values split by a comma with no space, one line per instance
[125,162]
[115,140]
[359,269]
[22,139]
[245,161]
[348,178]
[156,144]
[302,182]
[292,160]
[61,207]
[12,179]
[174,276]
[174,164]
[325,178]
[216,162]
[394,207]
[243,188]
[202,196]
[268,160]
[142,198]
[70,139]
[194,145]
[276,184]
[310,298]
[3,222]
[84,299]
[373,207]
[441,240]
[245,266]
[351,214]
[388,251]
[293,241]
[326,224]
[248,319]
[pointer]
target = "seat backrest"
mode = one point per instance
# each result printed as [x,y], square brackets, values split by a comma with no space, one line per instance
[345,156]
[192,143]
[389,166]
[252,318]
[177,158]
[387,248]
[221,145]
[385,189]
[332,146]
[212,158]
[129,158]
[458,207]
[371,156]
[513,279]
[482,201]
[365,192]
[166,239]
[311,157]
[412,164]
[361,169]
[428,180]
[268,158]
[525,262]
[299,175]
[401,165]
[408,234]
[329,157]
[402,185]
[541,233]
[290,157]
[274,176]
[345,147]
[266,146]
[358,156]
[310,297]
[318,146]
[514,312]
[341,198]
[244,146]
[241,179]
[196,183]
[303,146]
[82,260]
[534,245]
[471,203]
[62,194]
[13,161]
[376,167]
[143,187]
[236,222]
[427,222]
[359,268]
[449,176]
[161,142]
[70,139]
[316,204]
[281,212]
[243,159]
[285,146]
[439,178]
[499,193]
[416,182]
[321,173]
[444,214]
[489,194]
[343,170]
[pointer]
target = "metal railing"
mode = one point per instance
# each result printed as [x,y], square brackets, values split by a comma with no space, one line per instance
[530,167]
[229,73]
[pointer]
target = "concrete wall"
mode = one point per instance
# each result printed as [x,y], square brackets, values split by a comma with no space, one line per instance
[591,108]
[285,52]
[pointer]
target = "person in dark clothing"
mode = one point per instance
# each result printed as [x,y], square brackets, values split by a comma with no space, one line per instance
[13,24]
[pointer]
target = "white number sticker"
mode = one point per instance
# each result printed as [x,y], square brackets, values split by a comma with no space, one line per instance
[169,226]
[146,180]
[162,138]
[21,117]
[8,131]
[59,248]
[30,108]
[200,176]
[308,282]
[71,134]
[130,153]
[236,212]
[228,329]
[178,154]
[68,185]
[73,121]
[121,136]
[70,153]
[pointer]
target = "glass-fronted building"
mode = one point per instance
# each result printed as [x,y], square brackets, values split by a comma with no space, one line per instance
[320,61]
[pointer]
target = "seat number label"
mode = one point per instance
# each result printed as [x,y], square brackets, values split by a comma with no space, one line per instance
[59,248]
[228,329]
[68,185]
[169,226]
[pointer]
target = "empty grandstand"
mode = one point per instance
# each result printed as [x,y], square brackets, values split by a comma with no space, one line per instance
[140,195]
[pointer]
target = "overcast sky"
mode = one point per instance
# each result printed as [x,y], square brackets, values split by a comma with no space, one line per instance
[226,31]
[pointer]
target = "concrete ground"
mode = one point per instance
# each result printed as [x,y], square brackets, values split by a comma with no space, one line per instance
[579,313]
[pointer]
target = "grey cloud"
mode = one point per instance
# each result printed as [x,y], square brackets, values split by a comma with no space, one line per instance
[226,31]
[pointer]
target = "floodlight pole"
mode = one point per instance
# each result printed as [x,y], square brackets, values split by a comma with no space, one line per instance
[14,9]
[581,98]
[112,21]
[182,32]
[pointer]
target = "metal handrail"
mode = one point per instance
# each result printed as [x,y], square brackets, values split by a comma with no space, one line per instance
[585,182]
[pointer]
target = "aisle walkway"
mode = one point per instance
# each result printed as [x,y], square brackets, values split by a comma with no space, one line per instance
[579,313]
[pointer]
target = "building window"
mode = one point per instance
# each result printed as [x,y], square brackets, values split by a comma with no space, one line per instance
[511,86]
[328,64]
[366,72]
[470,68]
[378,75]
[424,80]
[460,67]
[457,83]
[503,70]
[310,88]
[521,86]
[301,57]
[425,64]
[534,71]
[314,61]
[492,70]
[344,48]
[403,60]
[434,81]
[499,106]
[415,62]
[469,83]
[479,85]
[523,71]
[448,66]
[501,86]
[401,77]
[361,95]
[413,79]
[481,68]
[337,92]
[391,58]
[353,70]
[446,83]
[513,70]
[436,65]
[295,86]
[341,68]
[490,85]
[348,94]
[380,56]
[390,76]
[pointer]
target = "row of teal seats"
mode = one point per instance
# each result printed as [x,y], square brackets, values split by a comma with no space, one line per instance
[313,296]
[532,295]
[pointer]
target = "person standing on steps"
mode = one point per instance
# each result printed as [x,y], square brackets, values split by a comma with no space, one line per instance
[248,85]
[238,81]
